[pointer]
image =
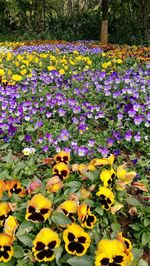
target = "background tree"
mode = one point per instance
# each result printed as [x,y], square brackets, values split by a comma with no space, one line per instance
[104,24]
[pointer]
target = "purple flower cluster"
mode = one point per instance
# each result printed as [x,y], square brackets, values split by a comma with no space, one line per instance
[87,113]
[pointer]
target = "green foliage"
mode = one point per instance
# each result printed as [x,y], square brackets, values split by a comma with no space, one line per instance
[50,19]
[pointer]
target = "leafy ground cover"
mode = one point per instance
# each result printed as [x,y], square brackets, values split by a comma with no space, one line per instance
[74,154]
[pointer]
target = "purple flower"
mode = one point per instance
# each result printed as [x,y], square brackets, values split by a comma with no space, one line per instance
[110,141]
[104,151]
[116,152]
[64,135]
[138,119]
[45,148]
[137,137]
[38,124]
[128,135]
[82,151]
[91,142]
[28,138]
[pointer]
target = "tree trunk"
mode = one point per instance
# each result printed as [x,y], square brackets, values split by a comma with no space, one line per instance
[104,25]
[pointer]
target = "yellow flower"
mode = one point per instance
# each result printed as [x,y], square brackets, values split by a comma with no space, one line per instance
[61,170]
[2,72]
[103,161]
[62,71]
[2,188]
[85,216]
[44,245]
[119,61]
[39,209]
[77,241]
[54,184]
[4,212]
[50,68]
[107,177]
[125,176]
[16,77]
[69,208]
[62,156]
[106,197]
[112,252]
[23,72]
[14,186]
[6,249]
[10,225]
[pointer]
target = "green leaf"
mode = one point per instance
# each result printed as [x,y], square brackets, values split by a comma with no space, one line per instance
[73,184]
[100,211]
[133,201]
[145,238]
[58,252]
[4,147]
[21,137]
[27,239]
[25,227]
[60,218]
[137,253]
[146,222]
[9,158]
[84,261]
[18,252]
[90,176]
[142,263]
[30,128]
[115,227]
[136,227]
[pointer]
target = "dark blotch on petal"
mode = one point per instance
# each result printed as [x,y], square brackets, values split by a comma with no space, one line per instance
[40,246]
[118,259]
[31,209]
[82,239]
[44,211]
[7,248]
[64,173]
[36,217]
[108,200]
[71,236]
[42,254]
[52,244]
[90,220]
[104,261]
[127,244]
[49,253]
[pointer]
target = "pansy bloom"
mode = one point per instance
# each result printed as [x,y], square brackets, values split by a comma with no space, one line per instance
[107,177]
[69,208]
[14,186]
[5,210]
[44,244]
[62,157]
[2,188]
[61,170]
[103,161]
[6,249]
[112,253]
[77,241]
[125,176]
[54,184]
[39,209]
[10,225]
[106,197]
[85,216]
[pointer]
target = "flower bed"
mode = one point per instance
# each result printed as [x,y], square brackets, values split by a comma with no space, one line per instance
[74,141]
